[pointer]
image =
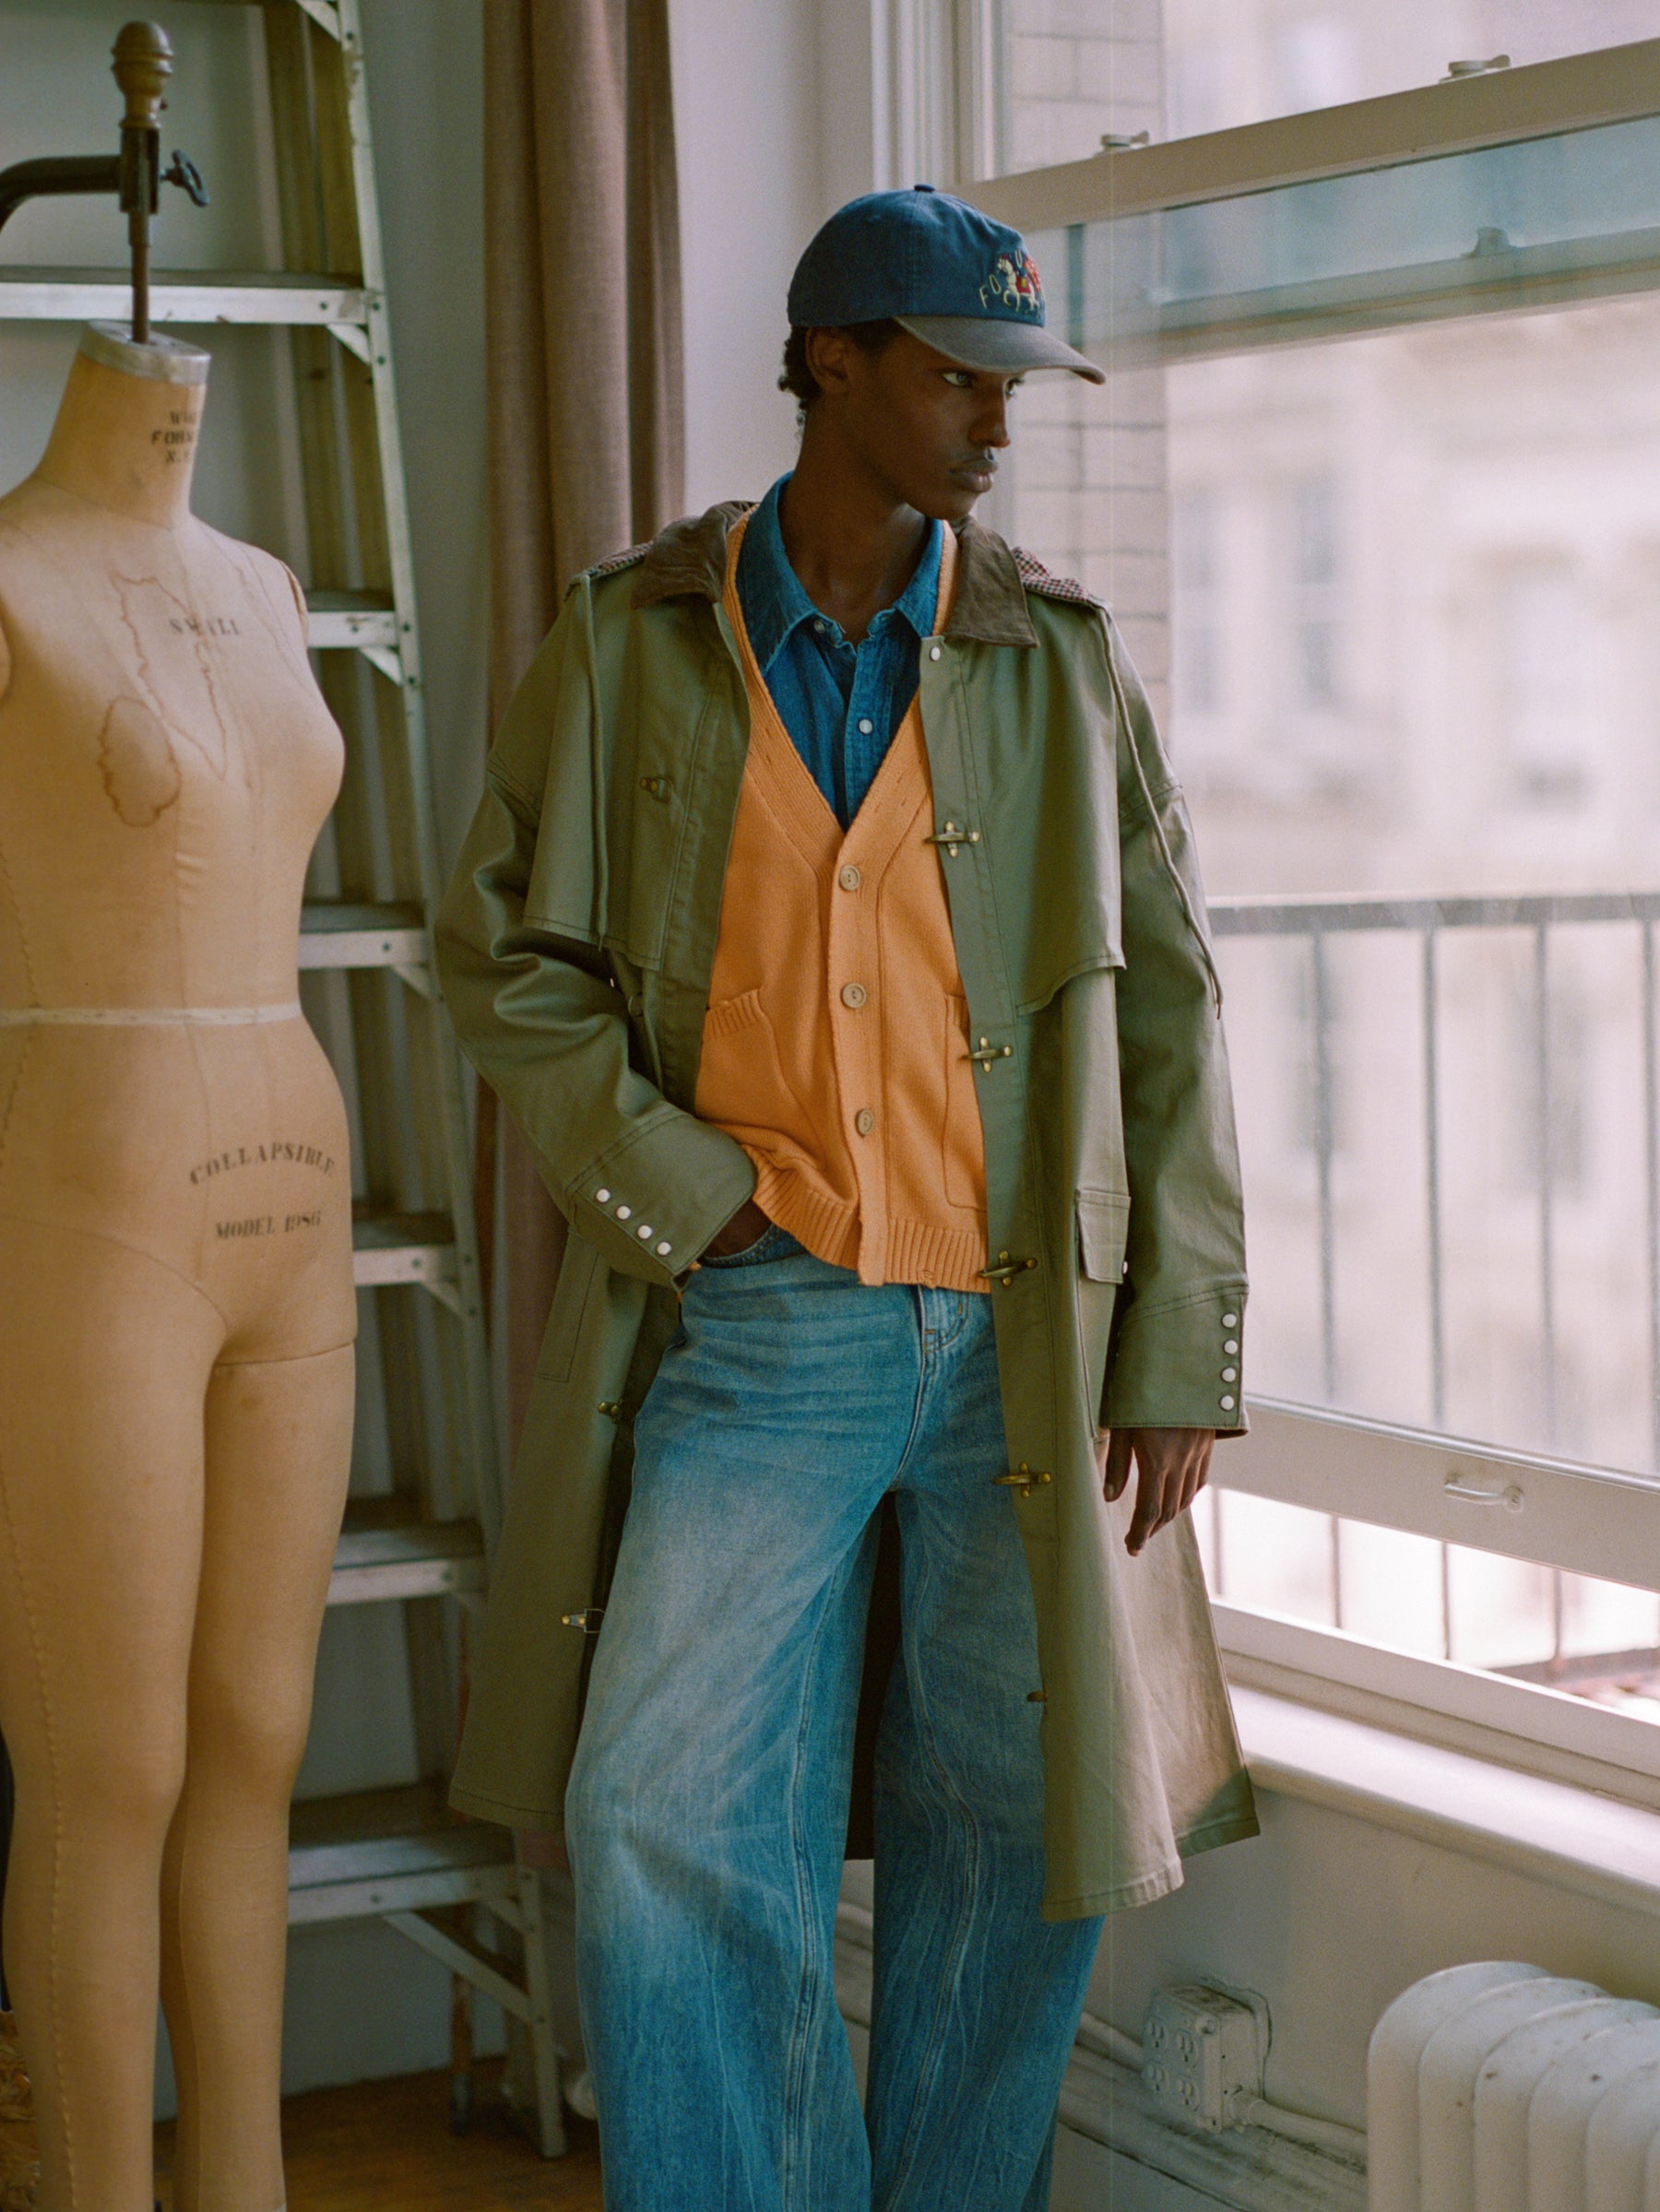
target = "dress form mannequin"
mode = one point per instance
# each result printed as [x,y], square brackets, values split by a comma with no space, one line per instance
[176,1309]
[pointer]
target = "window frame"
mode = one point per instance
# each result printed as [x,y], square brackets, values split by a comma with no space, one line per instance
[1525,1506]
[1506,107]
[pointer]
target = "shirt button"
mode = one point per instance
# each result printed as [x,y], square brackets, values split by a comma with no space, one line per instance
[1231,1320]
[602,1198]
[849,878]
[864,1121]
[624,1213]
[1227,1406]
[865,726]
[820,628]
[854,995]
[933,651]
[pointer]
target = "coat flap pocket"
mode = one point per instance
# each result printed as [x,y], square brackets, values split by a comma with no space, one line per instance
[1103,1226]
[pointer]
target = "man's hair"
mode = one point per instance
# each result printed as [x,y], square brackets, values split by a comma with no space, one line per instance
[798,379]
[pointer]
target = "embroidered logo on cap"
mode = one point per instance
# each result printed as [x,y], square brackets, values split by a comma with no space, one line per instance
[1014,284]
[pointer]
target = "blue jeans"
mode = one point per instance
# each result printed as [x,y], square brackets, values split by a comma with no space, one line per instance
[707,1808]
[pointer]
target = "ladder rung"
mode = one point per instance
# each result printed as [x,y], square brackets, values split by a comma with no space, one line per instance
[403,1248]
[349,619]
[422,1559]
[340,935]
[390,1850]
[59,295]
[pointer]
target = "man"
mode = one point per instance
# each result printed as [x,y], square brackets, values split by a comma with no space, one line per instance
[831,928]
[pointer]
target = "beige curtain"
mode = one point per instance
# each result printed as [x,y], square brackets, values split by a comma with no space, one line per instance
[586,408]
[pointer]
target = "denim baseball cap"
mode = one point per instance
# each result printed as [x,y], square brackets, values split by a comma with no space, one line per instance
[952,278]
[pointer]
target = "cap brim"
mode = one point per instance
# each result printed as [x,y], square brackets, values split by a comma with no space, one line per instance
[1001,348]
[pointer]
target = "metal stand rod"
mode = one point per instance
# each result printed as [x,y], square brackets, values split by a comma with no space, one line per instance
[143,65]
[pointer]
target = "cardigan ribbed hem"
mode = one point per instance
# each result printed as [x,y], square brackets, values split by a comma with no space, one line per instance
[830,1228]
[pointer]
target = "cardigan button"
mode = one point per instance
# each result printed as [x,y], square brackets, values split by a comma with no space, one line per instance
[864,1121]
[849,878]
[854,995]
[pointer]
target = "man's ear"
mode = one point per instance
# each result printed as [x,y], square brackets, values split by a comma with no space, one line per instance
[829,356]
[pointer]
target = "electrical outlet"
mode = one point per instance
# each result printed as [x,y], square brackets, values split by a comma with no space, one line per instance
[1202,2052]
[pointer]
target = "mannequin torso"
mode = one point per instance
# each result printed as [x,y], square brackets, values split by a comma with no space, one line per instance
[166,762]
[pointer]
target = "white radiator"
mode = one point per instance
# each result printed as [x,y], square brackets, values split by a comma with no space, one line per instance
[1500,2087]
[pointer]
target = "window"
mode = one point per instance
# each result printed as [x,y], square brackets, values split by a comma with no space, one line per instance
[1197,604]
[1385,556]
[1200,65]
[1313,594]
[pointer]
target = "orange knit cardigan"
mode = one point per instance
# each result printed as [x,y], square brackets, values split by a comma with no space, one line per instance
[836,1045]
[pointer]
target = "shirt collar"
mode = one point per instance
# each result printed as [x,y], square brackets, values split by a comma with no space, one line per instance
[774,602]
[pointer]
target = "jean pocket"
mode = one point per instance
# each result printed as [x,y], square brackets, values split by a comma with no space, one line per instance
[771,1244]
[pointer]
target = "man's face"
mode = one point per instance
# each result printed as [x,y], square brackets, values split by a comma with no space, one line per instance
[927,430]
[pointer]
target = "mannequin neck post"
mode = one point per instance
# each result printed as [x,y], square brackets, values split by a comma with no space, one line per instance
[125,434]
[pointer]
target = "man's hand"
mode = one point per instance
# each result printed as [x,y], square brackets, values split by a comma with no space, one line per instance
[747,1226]
[1173,1463]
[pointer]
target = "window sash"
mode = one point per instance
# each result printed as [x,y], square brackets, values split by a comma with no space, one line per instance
[1615,84]
[1587,1520]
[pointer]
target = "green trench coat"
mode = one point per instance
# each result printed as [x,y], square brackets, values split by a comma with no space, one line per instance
[575,947]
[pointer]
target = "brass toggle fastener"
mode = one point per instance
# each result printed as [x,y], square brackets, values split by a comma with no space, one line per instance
[1025,1478]
[613,1406]
[588,1620]
[952,836]
[987,1054]
[1006,1270]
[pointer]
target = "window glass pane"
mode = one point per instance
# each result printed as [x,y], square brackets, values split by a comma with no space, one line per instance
[1075,69]
[1397,601]
[1535,224]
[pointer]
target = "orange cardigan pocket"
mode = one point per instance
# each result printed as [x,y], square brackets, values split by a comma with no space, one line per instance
[742,1083]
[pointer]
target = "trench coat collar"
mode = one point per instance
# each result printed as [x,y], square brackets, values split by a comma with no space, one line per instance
[688,560]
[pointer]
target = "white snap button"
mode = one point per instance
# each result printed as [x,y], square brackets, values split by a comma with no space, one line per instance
[933,651]
[1227,1406]
[624,1213]
[664,1251]
[644,1233]
[1232,1344]
[1230,1375]
[820,628]
[864,1121]
[865,726]
[602,1198]
[854,995]
[849,878]
[1123,1267]
[1231,1320]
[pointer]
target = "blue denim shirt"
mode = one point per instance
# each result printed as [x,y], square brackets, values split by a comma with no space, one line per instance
[841,703]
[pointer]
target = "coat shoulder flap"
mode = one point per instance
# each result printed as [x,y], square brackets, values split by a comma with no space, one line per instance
[1039,579]
[614,566]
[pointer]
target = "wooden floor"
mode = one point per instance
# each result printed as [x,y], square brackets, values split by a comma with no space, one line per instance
[386,2146]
